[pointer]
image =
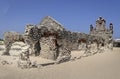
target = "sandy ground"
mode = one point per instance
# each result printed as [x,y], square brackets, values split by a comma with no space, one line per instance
[99,66]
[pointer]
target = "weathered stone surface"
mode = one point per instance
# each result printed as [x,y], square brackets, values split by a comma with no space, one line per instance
[48,47]
[64,55]
[48,38]
[50,27]
[101,30]
[9,39]
[32,36]
[24,61]
[70,40]
[50,23]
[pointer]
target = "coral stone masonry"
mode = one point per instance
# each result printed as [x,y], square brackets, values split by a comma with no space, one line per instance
[49,39]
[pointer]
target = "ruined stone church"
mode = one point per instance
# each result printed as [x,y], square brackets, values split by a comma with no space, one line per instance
[49,39]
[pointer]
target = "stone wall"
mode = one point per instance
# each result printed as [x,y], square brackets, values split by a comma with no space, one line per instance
[54,35]
[48,47]
[101,30]
[10,38]
[53,30]
[49,36]
[70,39]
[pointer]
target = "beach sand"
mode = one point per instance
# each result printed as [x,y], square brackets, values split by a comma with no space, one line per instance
[99,66]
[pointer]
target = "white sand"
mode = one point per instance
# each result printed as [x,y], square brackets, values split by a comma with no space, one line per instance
[99,66]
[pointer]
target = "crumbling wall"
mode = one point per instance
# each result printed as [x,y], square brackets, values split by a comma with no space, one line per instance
[9,39]
[32,35]
[102,30]
[47,38]
[48,47]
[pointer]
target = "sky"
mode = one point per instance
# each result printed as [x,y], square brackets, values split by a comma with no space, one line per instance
[74,15]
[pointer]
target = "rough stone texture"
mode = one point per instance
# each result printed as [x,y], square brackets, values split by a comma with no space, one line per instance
[48,47]
[24,61]
[9,39]
[32,36]
[64,55]
[50,24]
[101,30]
[49,37]
[53,36]
[70,40]
[50,27]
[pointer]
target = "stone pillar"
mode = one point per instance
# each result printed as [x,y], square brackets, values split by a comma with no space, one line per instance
[48,47]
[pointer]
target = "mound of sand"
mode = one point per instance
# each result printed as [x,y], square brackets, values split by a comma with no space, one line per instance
[99,66]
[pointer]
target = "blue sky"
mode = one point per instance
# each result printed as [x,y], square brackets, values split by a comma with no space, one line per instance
[75,15]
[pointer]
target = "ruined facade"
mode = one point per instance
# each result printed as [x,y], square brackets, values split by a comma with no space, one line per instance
[52,36]
[102,30]
[61,36]
[64,37]
[51,40]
